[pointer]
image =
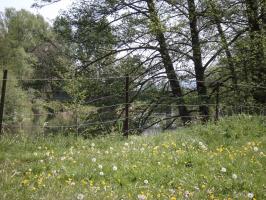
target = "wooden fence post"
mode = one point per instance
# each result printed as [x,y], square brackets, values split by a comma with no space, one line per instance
[126,121]
[2,103]
[217,103]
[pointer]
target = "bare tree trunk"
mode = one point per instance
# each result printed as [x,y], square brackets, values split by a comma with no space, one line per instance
[199,69]
[168,64]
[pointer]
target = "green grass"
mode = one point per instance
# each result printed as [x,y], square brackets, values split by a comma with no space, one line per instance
[183,165]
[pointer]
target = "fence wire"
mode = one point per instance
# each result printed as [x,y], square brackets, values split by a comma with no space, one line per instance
[142,115]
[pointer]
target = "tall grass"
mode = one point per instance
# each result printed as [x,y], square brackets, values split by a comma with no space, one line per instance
[225,160]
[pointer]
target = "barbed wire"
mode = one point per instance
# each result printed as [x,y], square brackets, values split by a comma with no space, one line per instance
[135,77]
[86,124]
[96,110]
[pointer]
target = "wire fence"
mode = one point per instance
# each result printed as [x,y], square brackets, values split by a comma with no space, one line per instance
[112,112]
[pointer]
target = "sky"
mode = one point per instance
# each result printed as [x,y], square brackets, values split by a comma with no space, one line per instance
[49,12]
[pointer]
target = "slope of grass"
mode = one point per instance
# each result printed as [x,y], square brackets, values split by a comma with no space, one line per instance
[215,161]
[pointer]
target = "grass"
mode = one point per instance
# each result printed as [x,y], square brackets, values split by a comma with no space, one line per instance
[215,161]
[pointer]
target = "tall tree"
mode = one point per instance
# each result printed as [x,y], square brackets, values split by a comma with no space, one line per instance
[168,65]
[197,58]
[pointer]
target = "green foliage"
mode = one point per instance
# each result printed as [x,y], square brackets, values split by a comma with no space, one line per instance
[17,105]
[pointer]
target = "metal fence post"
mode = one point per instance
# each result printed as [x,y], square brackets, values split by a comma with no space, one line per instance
[2,103]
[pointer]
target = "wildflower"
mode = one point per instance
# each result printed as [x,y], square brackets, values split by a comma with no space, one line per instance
[234,176]
[114,168]
[92,145]
[255,149]
[202,146]
[172,191]
[80,197]
[142,197]
[146,182]
[73,183]
[25,182]
[223,169]
[100,166]
[93,159]
[186,194]
[173,198]
[41,161]
[250,195]
[35,153]
[197,188]
[101,173]
[126,144]
[111,148]
[62,158]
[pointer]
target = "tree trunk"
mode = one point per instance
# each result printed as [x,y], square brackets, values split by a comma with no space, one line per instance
[199,69]
[168,64]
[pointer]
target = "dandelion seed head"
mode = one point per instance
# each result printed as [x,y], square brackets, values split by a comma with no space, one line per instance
[142,197]
[186,194]
[234,176]
[101,173]
[250,195]
[80,196]
[256,149]
[223,169]
[114,168]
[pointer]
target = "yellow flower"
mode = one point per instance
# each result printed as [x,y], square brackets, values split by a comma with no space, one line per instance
[91,183]
[83,182]
[25,182]
[173,198]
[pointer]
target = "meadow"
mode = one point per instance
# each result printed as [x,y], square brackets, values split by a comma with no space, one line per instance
[224,160]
